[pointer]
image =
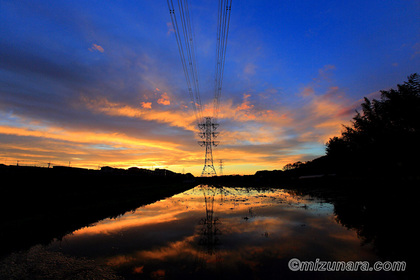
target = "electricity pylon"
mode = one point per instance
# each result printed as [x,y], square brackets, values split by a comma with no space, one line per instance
[208,134]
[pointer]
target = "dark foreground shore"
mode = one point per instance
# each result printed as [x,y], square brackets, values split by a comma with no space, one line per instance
[40,204]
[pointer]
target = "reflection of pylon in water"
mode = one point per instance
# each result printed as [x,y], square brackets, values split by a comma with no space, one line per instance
[210,230]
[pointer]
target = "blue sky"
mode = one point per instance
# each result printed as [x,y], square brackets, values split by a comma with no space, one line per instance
[101,83]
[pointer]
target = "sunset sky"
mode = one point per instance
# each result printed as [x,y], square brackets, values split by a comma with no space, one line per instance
[98,83]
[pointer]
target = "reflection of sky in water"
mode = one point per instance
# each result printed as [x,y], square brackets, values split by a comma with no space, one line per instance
[252,233]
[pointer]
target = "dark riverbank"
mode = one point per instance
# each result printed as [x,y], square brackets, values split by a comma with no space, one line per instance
[39,204]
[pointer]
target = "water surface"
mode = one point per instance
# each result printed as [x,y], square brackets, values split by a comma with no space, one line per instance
[207,232]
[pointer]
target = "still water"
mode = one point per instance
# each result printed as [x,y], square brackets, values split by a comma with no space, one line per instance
[226,233]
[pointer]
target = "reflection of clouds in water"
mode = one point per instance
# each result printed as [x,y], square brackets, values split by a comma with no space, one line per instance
[257,228]
[178,206]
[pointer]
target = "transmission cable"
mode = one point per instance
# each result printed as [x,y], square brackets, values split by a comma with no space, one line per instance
[224,11]
[187,52]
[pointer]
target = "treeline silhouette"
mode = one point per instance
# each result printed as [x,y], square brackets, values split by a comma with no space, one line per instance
[382,140]
[385,137]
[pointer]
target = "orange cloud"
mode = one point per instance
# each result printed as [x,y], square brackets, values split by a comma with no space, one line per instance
[87,137]
[183,119]
[146,105]
[164,99]
[246,104]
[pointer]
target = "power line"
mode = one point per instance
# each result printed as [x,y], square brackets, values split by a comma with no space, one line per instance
[192,56]
[224,12]
[186,48]
[187,52]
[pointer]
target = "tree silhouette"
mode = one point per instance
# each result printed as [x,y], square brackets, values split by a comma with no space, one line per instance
[383,138]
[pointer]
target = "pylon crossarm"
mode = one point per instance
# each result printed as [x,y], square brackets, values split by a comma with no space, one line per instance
[201,143]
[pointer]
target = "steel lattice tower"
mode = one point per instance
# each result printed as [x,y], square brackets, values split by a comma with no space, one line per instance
[208,134]
[185,38]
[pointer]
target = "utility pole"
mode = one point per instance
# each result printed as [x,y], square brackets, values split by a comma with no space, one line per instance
[208,134]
